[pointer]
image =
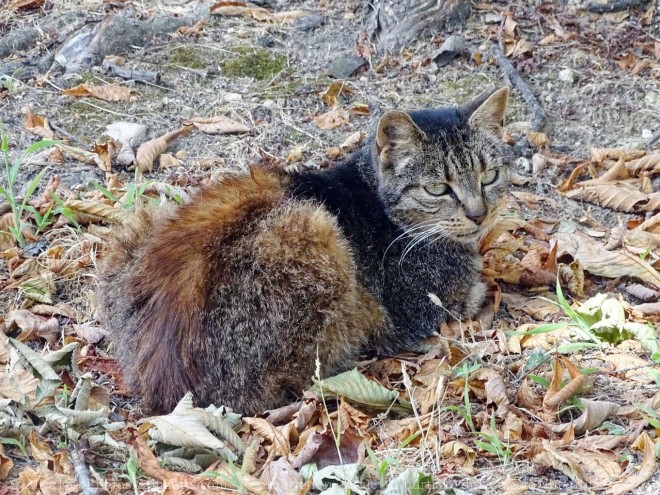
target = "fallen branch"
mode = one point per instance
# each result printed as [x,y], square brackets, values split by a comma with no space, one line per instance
[599,7]
[130,74]
[513,77]
[81,472]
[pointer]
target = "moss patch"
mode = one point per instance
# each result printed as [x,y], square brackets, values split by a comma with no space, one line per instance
[254,62]
[187,56]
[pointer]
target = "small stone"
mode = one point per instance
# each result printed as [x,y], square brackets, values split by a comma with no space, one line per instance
[266,41]
[647,134]
[344,67]
[231,97]
[309,22]
[567,75]
[524,165]
[453,47]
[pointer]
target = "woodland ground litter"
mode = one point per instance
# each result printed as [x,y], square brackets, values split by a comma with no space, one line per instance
[597,77]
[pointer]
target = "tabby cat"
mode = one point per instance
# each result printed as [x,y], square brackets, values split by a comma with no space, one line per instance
[235,294]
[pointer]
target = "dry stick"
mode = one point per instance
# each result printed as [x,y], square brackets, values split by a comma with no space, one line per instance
[613,5]
[136,75]
[511,75]
[68,135]
[81,472]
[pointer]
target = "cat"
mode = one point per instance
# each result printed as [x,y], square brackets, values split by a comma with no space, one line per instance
[235,294]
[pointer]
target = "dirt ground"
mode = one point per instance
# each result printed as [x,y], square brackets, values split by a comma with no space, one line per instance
[596,76]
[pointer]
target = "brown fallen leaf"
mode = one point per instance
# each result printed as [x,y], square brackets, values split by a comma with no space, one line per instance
[617,197]
[595,259]
[634,368]
[37,125]
[457,449]
[5,464]
[229,8]
[266,430]
[556,394]
[81,155]
[336,89]
[281,478]
[88,211]
[332,119]
[538,139]
[194,30]
[352,142]
[595,412]
[152,149]
[600,154]
[32,326]
[649,164]
[646,469]
[217,125]
[108,92]
[7,240]
[585,468]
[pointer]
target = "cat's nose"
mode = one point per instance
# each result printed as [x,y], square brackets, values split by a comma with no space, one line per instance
[477,215]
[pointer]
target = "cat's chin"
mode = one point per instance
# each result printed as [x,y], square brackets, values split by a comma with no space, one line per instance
[470,238]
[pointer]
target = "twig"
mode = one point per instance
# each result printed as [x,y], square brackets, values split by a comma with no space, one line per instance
[613,6]
[81,472]
[135,75]
[68,135]
[511,74]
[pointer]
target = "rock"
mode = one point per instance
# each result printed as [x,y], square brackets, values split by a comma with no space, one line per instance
[344,67]
[567,75]
[453,47]
[524,165]
[309,22]
[266,41]
[232,97]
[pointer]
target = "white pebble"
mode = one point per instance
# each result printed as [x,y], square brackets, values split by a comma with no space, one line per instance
[567,75]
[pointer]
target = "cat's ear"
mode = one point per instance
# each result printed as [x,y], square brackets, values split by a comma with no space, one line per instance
[487,111]
[396,132]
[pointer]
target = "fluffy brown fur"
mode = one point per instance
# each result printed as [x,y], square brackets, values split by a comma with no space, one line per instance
[198,295]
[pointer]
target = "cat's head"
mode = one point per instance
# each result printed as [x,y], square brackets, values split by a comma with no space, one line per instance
[444,171]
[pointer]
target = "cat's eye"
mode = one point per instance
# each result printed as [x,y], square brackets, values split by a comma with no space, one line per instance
[489,177]
[437,189]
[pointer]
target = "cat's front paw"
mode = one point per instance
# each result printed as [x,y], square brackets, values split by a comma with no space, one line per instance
[474,300]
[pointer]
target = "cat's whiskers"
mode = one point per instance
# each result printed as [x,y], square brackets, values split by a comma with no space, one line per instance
[421,237]
[421,225]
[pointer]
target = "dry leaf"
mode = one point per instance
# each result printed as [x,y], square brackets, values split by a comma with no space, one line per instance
[281,478]
[646,468]
[7,240]
[332,119]
[295,155]
[649,164]
[595,259]
[635,368]
[336,89]
[194,30]
[266,430]
[149,151]
[600,154]
[595,412]
[88,211]
[456,449]
[229,8]
[81,155]
[585,468]
[217,125]
[555,395]
[109,92]
[37,125]
[538,139]
[617,197]
[352,142]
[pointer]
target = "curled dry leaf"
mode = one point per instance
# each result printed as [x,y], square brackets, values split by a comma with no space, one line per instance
[149,151]
[617,197]
[7,240]
[81,155]
[646,469]
[352,142]
[281,478]
[32,325]
[643,293]
[648,164]
[37,125]
[595,259]
[217,125]
[194,30]
[600,154]
[108,92]
[585,468]
[332,119]
[595,412]
[555,395]
[336,89]
[295,155]
[88,211]
[270,432]
[456,449]
[538,139]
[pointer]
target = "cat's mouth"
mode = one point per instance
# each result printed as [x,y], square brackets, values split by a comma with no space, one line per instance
[469,236]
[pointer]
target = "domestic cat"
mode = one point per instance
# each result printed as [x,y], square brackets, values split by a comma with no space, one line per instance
[235,294]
